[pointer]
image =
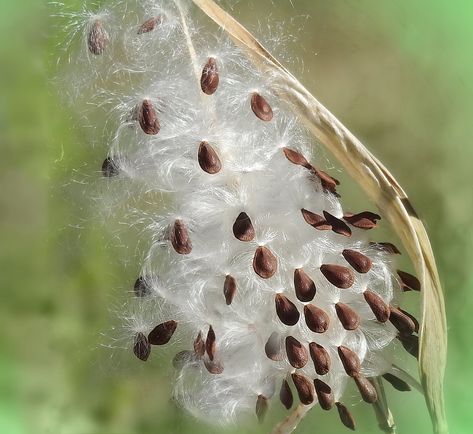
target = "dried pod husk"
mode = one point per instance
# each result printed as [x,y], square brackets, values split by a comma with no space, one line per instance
[261,407]
[348,317]
[296,353]
[316,319]
[408,281]
[285,395]
[338,226]
[210,78]
[296,158]
[357,260]
[366,389]
[274,348]
[338,275]
[304,387]
[265,263]
[324,394]
[162,333]
[377,305]
[316,220]
[210,343]
[229,289]
[150,24]
[320,357]
[141,347]
[243,229]
[402,322]
[110,168]
[97,39]
[397,383]
[215,367]
[363,220]
[350,360]
[141,288]
[208,159]
[148,118]
[304,285]
[261,107]
[345,416]
[180,238]
[286,310]
[199,345]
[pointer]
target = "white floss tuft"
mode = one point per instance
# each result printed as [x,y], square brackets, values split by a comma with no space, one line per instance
[253,268]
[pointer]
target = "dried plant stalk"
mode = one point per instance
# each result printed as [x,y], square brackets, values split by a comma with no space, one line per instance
[381,187]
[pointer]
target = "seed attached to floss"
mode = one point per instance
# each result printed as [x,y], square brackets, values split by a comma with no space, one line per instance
[397,383]
[350,360]
[348,317]
[210,344]
[345,416]
[324,394]
[97,39]
[183,358]
[304,285]
[410,344]
[316,220]
[286,310]
[261,108]
[229,289]
[338,226]
[199,345]
[110,168]
[180,239]
[363,220]
[338,275]
[366,389]
[148,119]
[210,79]
[413,319]
[208,159]
[378,306]
[150,25]
[386,247]
[296,353]
[408,281]
[265,263]
[357,260]
[261,408]
[162,333]
[215,367]
[243,228]
[273,347]
[141,287]
[285,395]
[141,347]
[316,319]
[304,387]
[296,158]
[320,357]
[328,182]
[402,322]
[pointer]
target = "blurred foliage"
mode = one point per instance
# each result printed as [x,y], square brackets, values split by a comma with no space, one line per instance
[397,73]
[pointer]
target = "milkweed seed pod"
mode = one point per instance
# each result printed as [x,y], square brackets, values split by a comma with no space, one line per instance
[267,288]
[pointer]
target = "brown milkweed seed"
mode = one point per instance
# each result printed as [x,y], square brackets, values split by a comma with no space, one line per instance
[215,367]
[97,39]
[210,79]
[286,310]
[316,319]
[162,333]
[338,226]
[285,395]
[265,263]
[261,408]
[296,158]
[386,247]
[366,389]
[296,353]
[229,289]
[320,357]
[180,239]
[396,382]
[324,394]
[402,322]
[363,220]
[316,220]
[410,344]
[141,347]
[350,360]
[208,159]
[328,182]
[110,168]
[199,345]
[243,228]
[150,25]
[210,344]
[261,108]
[345,416]
[183,358]
[141,287]
[304,387]
[348,317]
[378,306]
[413,319]
[148,119]
[408,281]
[338,275]
[273,347]
[357,260]
[304,285]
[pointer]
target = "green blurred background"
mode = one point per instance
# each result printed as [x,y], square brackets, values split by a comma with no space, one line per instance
[397,73]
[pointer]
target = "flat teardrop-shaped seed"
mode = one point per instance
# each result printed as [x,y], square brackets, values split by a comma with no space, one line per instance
[215,367]
[328,182]
[296,353]
[345,416]
[357,260]
[410,344]
[296,158]
[366,389]
[265,263]
[110,168]
[286,310]
[413,319]
[261,108]
[148,119]
[304,387]
[401,321]
[338,226]
[208,159]
[97,39]
[261,407]
[141,287]
[243,228]
[210,344]
[348,317]
[210,79]
[396,382]
[320,357]
[316,220]
[150,25]
[324,394]
[350,360]
[199,345]
[162,333]
[180,239]
[316,319]
[378,306]
[229,289]
[183,358]
[141,347]
[285,395]
[386,247]
[304,285]
[408,281]
[363,220]
[338,275]
[273,347]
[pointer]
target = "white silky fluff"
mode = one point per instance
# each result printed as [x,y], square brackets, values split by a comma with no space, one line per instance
[160,181]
